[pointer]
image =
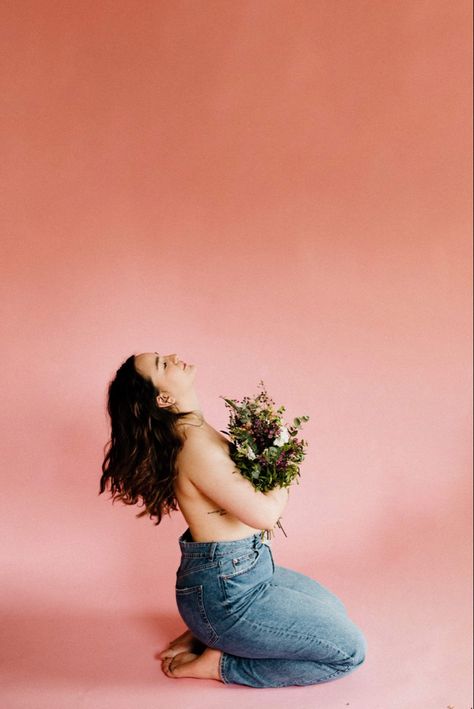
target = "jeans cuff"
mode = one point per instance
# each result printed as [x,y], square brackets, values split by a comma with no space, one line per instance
[222,667]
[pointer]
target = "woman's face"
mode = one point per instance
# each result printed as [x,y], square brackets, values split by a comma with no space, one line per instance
[167,372]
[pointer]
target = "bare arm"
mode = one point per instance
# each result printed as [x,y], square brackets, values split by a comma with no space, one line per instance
[279,497]
[216,476]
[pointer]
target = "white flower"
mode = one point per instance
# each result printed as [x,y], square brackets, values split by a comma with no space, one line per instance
[245,449]
[249,452]
[282,438]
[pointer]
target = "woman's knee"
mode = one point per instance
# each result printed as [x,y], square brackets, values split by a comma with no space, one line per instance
[359,649]
[350,641]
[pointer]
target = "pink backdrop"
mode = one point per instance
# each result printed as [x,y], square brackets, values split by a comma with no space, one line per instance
[273,190]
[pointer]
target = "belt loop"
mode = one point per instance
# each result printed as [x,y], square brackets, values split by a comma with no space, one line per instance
[212,550]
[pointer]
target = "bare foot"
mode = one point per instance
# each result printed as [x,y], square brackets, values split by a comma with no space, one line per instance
[188,664]
[184,643]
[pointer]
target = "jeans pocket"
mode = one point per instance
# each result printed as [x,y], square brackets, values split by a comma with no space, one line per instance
[190,602]
[241,573]
[239,564]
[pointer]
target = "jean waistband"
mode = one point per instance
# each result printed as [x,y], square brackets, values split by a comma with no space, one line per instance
[209,550]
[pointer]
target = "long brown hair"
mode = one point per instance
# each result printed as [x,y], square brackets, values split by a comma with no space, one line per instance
[140,457]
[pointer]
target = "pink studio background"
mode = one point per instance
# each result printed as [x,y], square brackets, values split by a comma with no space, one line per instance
[273,190]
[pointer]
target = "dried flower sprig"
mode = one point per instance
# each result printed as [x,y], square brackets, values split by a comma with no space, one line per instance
[265,450]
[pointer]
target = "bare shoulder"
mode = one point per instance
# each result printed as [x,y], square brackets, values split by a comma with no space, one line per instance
[200,441]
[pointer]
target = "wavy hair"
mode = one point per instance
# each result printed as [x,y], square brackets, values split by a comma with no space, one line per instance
[140,457]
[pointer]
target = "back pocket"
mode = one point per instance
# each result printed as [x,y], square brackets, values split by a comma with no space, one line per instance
[190,602]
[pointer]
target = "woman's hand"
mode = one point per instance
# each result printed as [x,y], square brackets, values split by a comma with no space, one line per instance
[280,496]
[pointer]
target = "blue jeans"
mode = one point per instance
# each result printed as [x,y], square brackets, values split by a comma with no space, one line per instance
[274,626]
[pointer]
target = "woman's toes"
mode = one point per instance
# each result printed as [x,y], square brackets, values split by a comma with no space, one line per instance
[178,666]
[189,644]
[165,666]
[174,650]
[169,652]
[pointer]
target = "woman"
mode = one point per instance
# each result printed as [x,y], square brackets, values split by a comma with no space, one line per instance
[250,621]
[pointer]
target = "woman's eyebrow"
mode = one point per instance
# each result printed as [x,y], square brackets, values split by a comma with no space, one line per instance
[157,359]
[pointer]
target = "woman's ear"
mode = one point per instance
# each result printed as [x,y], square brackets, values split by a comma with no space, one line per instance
[164,401]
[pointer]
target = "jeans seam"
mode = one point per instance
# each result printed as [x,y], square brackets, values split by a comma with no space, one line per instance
[199,591]
[326,678]
[212,565]
[225,680]
[342,671]
[214,639]
[325,643]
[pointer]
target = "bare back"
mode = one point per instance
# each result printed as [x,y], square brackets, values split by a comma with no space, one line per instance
[205,520]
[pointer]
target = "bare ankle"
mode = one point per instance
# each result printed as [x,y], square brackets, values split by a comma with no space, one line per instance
[212,657]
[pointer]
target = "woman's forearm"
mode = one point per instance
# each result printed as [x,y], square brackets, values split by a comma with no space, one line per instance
[279,497]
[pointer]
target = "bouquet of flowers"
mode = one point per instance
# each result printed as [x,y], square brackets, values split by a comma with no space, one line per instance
[264,449]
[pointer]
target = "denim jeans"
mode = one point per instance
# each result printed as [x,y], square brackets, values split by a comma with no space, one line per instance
[275,627]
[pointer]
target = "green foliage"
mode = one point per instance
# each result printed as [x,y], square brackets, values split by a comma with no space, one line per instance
[265,450]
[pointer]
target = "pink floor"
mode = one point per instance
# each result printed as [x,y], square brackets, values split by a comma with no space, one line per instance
[416,612]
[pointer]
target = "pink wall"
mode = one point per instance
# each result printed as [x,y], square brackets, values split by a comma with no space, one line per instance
[276,190]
